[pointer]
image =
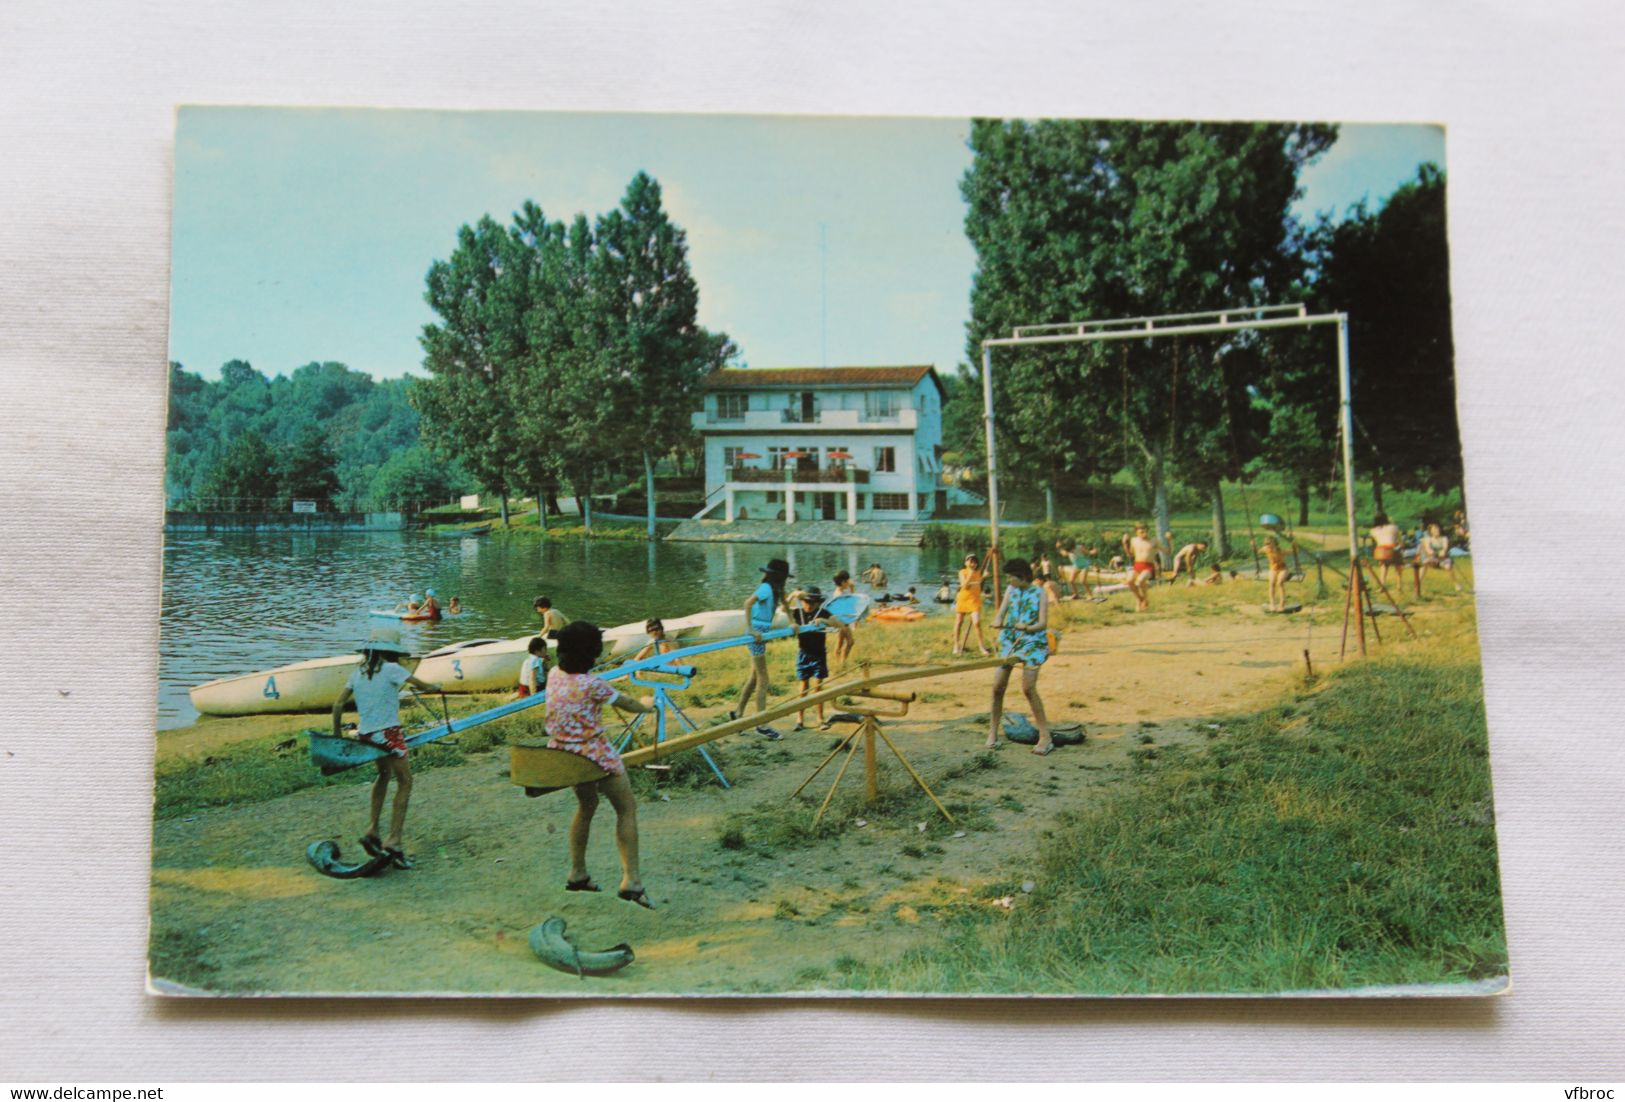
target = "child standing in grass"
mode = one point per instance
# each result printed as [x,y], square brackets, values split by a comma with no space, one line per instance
[812,664]
[1023,622]
[375,686]
[1278,573]
[843,633]
[575,700]
[968,607]
[764,603]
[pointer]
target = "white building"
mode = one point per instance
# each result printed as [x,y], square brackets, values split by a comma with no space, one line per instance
[823,443]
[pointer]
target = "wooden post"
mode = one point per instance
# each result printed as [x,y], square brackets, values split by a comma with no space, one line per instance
[871,778]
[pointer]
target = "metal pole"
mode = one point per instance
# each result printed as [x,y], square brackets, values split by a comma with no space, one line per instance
[1347,424]
[992,462]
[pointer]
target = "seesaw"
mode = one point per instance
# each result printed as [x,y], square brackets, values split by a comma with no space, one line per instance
[541,770]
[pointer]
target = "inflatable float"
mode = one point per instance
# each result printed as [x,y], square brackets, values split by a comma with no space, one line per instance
[896,614]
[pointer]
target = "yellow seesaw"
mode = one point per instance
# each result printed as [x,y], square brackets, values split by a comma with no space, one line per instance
[542,770]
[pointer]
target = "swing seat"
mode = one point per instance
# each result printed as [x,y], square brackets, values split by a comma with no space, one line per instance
[537,767]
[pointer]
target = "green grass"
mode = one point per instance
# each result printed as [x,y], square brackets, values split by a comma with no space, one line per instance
[1346,842]
[264,768]
[1103,513]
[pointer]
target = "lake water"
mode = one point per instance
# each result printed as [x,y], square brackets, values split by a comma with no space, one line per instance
[239,602]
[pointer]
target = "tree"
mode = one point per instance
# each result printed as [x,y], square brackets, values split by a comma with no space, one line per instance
[307,467]
[1093,220]
[659,353]
[475,357]
[1389,270]
[415,476]
[245,476]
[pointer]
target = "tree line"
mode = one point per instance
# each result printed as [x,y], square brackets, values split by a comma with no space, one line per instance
[324,433]
[1077,220]
[565,353]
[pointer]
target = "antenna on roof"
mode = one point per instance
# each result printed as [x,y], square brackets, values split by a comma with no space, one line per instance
[823,294]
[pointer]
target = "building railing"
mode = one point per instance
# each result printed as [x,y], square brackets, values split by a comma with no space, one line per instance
[769,420]
[839,475]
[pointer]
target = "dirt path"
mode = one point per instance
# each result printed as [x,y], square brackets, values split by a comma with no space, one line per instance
[236,908]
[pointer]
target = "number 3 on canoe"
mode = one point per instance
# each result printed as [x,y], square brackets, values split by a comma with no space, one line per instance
[270,692]
[457,668]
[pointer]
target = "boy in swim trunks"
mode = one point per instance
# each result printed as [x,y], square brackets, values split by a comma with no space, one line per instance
[1278,573]
[1144,570]
[1185,561]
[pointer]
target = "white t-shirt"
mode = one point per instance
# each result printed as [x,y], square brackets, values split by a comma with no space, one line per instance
[378,698]
[533,675]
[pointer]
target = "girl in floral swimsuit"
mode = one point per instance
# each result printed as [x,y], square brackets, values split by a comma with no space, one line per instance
[575,698]
[1022,620]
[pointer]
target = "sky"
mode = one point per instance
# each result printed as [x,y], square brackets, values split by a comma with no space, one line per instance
[305,234]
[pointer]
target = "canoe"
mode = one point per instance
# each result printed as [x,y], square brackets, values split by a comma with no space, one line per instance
[704,627]
[309,686]
[478,666]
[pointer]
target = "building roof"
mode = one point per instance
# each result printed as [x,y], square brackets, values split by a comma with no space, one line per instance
[769,378]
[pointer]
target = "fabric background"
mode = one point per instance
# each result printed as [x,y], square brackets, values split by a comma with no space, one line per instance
[87,92]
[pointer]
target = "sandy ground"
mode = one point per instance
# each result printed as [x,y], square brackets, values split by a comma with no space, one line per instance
[235,901]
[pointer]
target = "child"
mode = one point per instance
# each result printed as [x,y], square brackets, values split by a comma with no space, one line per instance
[812,665]
[1278,573]
[1434,551]
[552,619]
[455,607]
[375,686]
[533,674]
[1185,561]
[1144,570]
[969,604]
[1023,620]
[1385,537]
[945,592]
[411,606]
[657,644]
[764,603]
[843,632]
[431,607]
[575,698]
[875,578]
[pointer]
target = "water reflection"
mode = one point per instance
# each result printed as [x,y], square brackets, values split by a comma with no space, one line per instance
[238,602]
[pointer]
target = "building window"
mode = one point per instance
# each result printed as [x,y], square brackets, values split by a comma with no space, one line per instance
[886,459]
[880,405]
[730,458]
[775,457]
[732,407]
[892,501]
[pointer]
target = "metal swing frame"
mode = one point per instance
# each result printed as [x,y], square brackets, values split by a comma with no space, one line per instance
[1289,316]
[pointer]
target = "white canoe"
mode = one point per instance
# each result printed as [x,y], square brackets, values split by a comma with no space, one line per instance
[707,627]
[310,686]
[478,666]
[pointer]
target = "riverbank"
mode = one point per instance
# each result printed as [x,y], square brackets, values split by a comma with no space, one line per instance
[1218,788]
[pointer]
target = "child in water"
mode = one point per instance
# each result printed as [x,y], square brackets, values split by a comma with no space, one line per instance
[375,686]
[1023,622]
[575,699]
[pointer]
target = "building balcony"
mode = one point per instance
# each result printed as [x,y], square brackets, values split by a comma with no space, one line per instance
[830,420]
[802,475]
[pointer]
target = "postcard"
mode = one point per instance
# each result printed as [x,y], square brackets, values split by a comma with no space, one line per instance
[636,555]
